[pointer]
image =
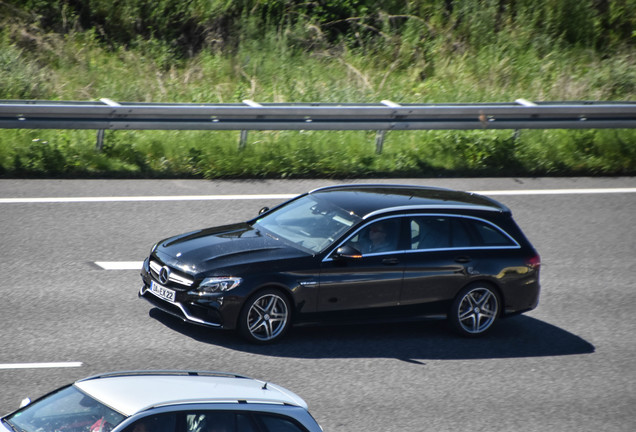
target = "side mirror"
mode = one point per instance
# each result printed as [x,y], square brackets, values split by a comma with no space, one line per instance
[347,252]
[263,210]
[25,402]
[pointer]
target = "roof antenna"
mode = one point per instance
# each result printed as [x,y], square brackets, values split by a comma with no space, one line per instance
[264,386]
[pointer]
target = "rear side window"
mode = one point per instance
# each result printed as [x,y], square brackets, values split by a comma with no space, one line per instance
[429,232]
[438,232]
[216,421]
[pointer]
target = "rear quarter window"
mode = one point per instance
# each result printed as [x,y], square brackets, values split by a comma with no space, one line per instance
[489,235]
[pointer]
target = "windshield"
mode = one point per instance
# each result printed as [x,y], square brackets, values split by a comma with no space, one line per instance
[309,223]
[67,410]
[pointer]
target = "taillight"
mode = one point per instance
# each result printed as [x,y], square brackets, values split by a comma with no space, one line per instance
[534,262]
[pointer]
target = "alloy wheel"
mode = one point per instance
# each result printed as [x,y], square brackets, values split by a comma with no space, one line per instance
[267,317]
[475,310]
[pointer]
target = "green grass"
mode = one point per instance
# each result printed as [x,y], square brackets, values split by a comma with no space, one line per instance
[220,52]
[338,154]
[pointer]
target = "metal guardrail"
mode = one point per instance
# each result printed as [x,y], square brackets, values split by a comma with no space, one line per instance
[250,115]
[316,116]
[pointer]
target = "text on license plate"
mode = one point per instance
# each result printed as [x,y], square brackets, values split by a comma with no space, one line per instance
[162,292]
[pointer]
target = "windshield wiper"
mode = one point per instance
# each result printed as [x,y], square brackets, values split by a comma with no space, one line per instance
[12,426]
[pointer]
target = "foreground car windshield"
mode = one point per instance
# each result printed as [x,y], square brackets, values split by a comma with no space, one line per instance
[66,410]
[308,222]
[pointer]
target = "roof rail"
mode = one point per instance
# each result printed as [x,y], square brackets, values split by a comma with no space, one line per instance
[423,207]
[220,400]
[377,185]
[163,372]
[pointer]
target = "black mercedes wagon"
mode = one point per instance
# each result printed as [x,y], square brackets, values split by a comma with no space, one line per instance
[350,252]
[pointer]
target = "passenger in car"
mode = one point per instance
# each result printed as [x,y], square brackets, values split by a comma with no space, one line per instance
[140,427]
[382,238]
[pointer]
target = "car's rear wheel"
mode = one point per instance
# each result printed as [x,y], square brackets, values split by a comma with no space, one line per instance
[475,310]
[265,317]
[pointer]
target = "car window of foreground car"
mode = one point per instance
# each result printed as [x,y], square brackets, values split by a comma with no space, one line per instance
[65,410]
[308,222]
[215,421]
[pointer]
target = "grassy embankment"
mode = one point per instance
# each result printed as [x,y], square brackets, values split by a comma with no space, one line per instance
[273,51]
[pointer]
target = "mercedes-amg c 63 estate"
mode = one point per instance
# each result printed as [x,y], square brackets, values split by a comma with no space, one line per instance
[350,252]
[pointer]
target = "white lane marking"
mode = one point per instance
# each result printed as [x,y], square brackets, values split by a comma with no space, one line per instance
[288,196]
[145,198]
[40,365]
[558,191]
[120,265]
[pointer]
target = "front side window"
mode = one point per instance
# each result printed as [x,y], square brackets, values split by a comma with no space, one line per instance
[215,421]
[69,410]
[377,237]
[166,422]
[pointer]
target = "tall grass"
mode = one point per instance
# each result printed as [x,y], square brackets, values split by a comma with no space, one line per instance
[218,51]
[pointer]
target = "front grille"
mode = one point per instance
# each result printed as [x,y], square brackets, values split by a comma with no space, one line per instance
[155,270]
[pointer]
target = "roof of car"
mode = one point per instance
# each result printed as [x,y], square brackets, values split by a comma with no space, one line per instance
[368,199]
[130,392]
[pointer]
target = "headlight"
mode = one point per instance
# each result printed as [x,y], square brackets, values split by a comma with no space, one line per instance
[214,285]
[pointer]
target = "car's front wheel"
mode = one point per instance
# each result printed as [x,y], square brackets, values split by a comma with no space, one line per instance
[265,317]
[475,310]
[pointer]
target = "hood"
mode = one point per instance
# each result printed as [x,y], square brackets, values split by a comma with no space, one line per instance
[230,245]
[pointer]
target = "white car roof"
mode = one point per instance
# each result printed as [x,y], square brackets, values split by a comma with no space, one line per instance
[135,391]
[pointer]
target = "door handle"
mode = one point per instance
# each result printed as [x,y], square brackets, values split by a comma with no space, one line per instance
[463,259]
[390,261]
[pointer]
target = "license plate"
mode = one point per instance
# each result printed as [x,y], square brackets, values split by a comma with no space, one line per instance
[162,292]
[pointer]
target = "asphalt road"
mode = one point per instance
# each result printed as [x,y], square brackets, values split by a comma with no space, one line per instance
[570,365]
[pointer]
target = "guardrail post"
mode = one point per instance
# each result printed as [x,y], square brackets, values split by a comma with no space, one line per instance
[523,102]
[242,140]
[379,136]
[100,140]
[100,132]
[379,141]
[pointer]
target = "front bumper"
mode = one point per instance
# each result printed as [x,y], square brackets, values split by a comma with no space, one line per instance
[197,314]
[216,312]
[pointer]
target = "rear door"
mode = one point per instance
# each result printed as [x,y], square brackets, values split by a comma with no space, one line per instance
[438,263]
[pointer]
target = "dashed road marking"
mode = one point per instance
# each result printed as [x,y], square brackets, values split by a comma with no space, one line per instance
[119,265]
[40,365]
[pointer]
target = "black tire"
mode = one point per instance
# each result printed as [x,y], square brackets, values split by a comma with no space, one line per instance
[475,310]
[265,317]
